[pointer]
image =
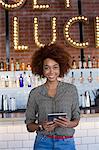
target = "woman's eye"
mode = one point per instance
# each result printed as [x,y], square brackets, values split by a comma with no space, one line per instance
[56,67]
[46,68]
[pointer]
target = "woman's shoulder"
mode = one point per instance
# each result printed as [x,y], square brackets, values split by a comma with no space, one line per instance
[36,89]
[68,87]
[65,84]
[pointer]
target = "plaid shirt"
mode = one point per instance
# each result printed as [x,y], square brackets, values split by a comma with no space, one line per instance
[40,105]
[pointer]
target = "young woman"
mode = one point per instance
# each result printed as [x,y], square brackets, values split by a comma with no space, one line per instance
[52,62]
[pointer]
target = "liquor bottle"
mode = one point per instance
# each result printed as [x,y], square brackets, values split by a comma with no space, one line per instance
[29,81]
[25,77]
[7,65]
[2,81]
[79,63]
[17,81]
[74,65]
[84,63]
[7,81]
[28,67]
[81,77]
[94,63]
[90,78]
[87,97]
[1,65]
[72,78]
[17,65]
[89,63]
[83,103]
[98,63]
[2,106]
[12,104]
[23,66]
[21,81]
[12,65]
[5,102]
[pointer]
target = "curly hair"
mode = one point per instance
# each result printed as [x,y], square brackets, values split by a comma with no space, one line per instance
[55,52]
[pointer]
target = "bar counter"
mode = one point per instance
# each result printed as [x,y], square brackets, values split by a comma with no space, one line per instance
[22,117]
[14,135]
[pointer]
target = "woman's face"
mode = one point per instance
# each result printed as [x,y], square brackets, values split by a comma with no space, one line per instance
[51,69]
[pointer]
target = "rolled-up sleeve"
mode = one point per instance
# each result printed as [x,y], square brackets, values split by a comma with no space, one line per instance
[31,109]
[75,105]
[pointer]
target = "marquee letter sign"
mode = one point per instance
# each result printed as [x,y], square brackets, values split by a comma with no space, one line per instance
[67,28]
[36,6]
[36,35]
[97,31]
[16,36]
[67,3]
[12,6]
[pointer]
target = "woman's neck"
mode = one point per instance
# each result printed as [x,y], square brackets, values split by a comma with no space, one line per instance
[52,85]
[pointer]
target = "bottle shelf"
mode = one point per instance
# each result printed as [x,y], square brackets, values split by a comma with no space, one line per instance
[74,76]
[90,110]
[14,111]
[19,113]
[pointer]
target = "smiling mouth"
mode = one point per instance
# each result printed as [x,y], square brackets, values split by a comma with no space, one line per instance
[51,77]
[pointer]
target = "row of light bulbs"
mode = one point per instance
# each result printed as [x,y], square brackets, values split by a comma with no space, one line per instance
[67,3]
[67,28]
[54,33]
[12,6]
[97,32]
[35,4]
[36,36]
[16,36]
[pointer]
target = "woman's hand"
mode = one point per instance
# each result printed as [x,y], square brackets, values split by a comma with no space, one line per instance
[49,126]
[62,122]
[65,122]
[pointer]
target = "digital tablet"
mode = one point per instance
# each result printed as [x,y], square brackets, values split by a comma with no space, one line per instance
[56,115]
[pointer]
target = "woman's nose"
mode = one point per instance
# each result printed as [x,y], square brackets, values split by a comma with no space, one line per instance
[51,70]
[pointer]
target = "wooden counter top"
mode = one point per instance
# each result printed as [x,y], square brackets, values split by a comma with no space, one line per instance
[22,119]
